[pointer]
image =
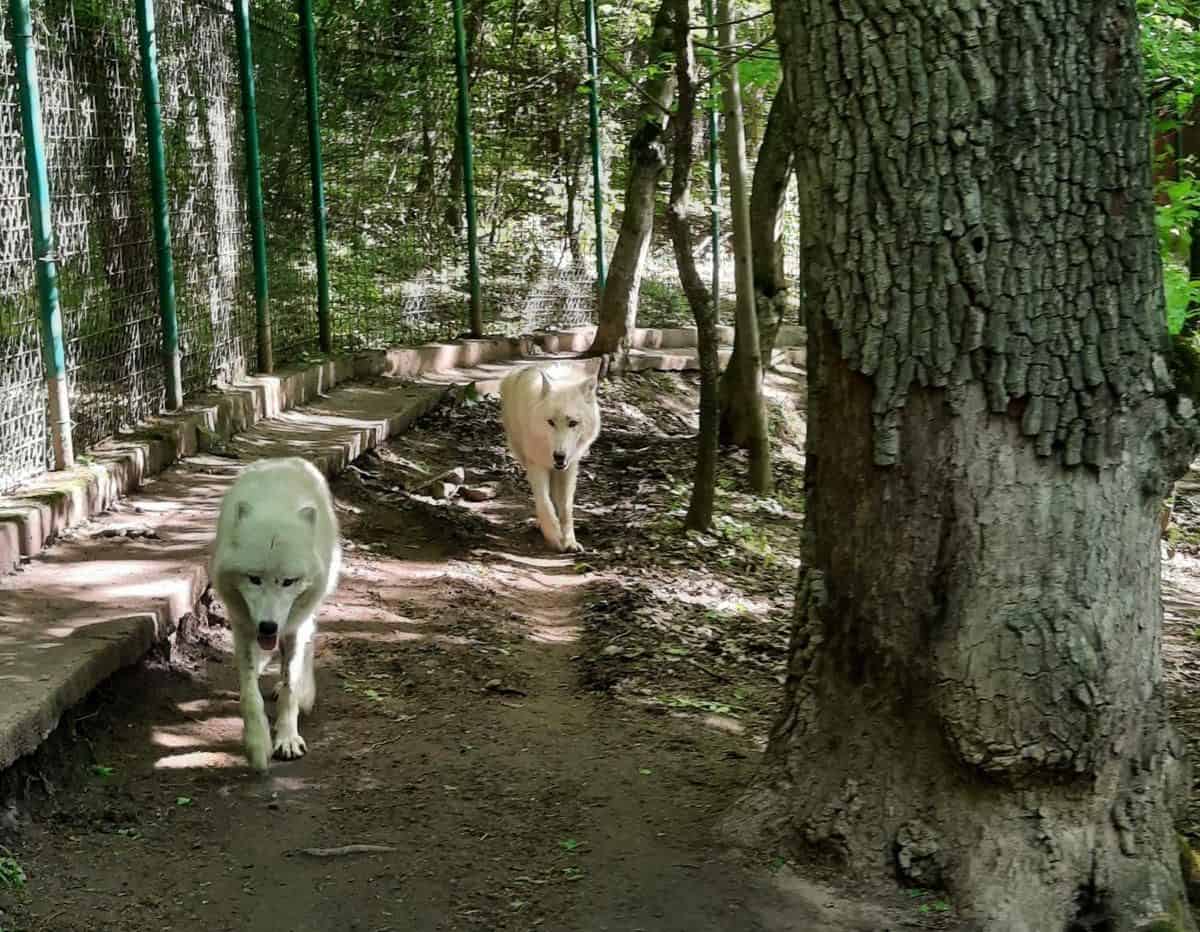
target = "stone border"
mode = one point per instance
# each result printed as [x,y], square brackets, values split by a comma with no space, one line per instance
[41,509]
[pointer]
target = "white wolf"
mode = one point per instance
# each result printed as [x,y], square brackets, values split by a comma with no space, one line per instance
[275,561]
[551,417]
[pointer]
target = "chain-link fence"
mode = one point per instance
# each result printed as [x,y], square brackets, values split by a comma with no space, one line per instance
[202,128]
[23,444]
[393,180]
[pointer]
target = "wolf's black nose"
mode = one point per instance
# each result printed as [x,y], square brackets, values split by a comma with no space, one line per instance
[267,628]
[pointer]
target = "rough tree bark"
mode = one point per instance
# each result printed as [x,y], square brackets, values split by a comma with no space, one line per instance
[974,696]
[683,128]
[768,192]
[647,159]
[752,412]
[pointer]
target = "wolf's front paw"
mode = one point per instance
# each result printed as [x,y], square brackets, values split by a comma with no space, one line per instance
[571,545]
[258,748]
[290,747]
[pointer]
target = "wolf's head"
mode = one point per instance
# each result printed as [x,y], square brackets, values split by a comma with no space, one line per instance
[272,564]
[571,417]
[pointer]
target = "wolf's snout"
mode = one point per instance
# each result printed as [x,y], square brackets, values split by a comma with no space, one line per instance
[560,460]
[268,635]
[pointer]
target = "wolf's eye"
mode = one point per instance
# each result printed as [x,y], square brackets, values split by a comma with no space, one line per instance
[255,580]
[572,423]
[289,582]
[550,422]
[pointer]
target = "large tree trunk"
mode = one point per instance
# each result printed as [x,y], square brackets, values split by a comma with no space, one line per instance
[974,696]
[647,159]
[683,126]
[751,410]
[767,199]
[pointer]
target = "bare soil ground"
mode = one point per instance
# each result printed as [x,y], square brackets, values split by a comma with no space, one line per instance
[535,741]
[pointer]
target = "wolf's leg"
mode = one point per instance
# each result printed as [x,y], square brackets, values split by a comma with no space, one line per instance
[556,497]
[256,730]
[306,692]
[539,481]
[295,649]
[564,489]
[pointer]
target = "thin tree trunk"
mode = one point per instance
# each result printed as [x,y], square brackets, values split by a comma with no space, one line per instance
[1194,262]
[573,180]
[647,159]
[753,414]
[683,125]
[767,202]
[975,696]
[423,188]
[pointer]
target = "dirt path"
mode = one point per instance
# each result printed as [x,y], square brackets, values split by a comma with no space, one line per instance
[539,751]
[451,727]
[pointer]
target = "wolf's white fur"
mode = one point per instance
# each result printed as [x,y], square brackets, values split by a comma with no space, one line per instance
[276,559]
[551,418]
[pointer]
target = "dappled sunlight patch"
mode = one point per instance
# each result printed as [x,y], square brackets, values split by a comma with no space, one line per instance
[534,561]
[201,760]
[200,735]
[222,700]
[723,723]
[554,634]
[392,636]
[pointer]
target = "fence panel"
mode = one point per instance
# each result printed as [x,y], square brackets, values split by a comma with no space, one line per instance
[95,141]
[287,197]
[202,124]
[24,446]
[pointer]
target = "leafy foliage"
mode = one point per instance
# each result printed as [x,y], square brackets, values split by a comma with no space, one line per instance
[1171,49]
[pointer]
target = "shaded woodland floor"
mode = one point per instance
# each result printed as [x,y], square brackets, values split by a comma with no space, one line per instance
[536,741]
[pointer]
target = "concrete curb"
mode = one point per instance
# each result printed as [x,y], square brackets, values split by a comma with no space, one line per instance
[35,700]
[43,508]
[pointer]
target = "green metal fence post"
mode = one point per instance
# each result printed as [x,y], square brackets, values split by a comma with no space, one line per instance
[258,226]
[172,363]
[714,172]
[53,352]
[308,42]
[468,167]
[592,36]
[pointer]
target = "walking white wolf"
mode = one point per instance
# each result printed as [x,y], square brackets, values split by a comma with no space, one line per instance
[551,418]
[276,559]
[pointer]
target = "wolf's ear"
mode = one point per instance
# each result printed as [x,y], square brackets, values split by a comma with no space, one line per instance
[545,382]
[308,514]
[589,390]
[243,511]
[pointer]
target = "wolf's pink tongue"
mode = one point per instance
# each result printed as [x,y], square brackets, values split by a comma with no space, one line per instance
[267,642]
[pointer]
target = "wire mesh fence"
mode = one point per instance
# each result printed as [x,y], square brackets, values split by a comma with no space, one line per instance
[23,445]
[282,129]
[393,180]
[202,121]
[95,150]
